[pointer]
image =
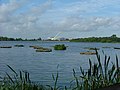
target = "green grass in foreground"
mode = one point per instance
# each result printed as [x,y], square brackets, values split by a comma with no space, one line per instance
[95,77]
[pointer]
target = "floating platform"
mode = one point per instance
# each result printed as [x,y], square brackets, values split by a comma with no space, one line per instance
[36,47]
[106,47]
[41,49]
[19,45]
[91,48]
[5,46]
[116,48]
[44,50]
[88,53]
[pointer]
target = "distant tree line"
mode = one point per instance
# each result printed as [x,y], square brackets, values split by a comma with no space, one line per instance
[111,39]
[17,39]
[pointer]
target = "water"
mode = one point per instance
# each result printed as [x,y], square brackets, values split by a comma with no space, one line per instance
[41,65]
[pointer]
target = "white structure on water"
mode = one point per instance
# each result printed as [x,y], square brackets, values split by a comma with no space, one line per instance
[55,37]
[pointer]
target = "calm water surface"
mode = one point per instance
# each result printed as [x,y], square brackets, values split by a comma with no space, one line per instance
[41,65]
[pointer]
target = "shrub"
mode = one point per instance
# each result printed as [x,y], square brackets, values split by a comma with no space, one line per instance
[60,47]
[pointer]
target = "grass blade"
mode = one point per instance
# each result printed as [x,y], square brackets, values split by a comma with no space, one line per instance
[10,78]
[12,70]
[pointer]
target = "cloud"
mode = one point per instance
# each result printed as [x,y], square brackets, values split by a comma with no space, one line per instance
[79,24]
[19,19]
[37,10]
[91,7]
[86,16]
[14,23]
[8,9]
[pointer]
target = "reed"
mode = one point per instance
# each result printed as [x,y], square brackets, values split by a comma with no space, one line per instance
[55,81]
[19,81]
[98,75]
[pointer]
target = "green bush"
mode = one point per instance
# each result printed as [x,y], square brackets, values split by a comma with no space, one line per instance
[60,47]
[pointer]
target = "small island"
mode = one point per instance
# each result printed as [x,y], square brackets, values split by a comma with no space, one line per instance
[60,47]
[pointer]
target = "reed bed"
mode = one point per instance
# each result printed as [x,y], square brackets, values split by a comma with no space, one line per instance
[97,76]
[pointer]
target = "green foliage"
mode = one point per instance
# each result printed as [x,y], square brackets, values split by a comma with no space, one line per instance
[98,75]
[55,79]
[111,39]
[6,39]
[60,47]
[19,81]
[17,39]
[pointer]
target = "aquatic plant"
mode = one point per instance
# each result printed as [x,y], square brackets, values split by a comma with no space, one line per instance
[19,81]
[55,80]
[98,75]
[60,47]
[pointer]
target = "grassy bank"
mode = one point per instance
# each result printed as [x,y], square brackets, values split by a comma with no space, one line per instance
[97,76]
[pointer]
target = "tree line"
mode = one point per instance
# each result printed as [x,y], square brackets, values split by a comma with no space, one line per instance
[17,39]
[111,39]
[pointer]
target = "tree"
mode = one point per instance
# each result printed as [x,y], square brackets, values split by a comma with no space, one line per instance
[39,38]
[114,36]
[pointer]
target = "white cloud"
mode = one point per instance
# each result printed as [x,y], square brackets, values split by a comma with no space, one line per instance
[91,7]
[14,24]
[78,24]
[37,20]
[8,9]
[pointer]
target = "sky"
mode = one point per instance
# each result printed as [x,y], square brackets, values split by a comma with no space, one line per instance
[70,18]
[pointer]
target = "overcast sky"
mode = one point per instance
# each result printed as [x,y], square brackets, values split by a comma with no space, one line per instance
[46,18]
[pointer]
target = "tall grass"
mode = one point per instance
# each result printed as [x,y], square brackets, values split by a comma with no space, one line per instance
[19,81]
[98,75]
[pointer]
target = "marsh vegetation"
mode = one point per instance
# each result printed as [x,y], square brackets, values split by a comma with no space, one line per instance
[98,75]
